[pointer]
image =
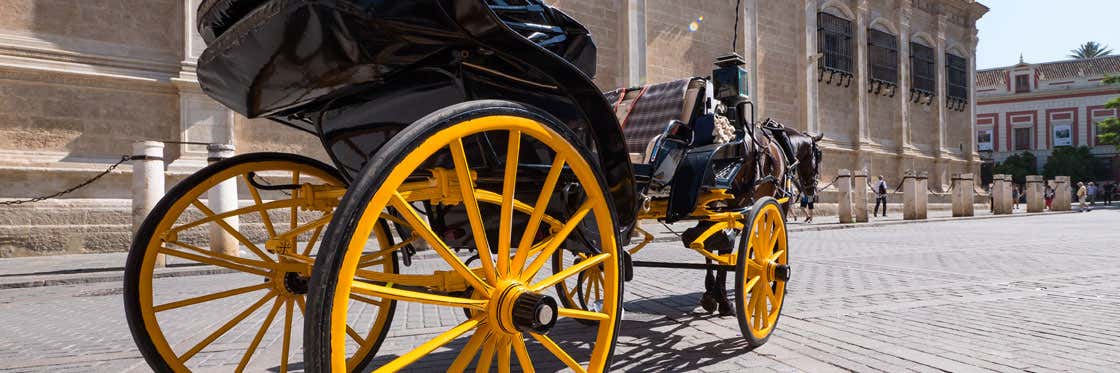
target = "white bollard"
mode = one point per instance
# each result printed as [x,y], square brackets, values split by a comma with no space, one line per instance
[859,196]
[1063,201]
[1035,190]
[147,183]
[964,195]
[223,198]
[844,200]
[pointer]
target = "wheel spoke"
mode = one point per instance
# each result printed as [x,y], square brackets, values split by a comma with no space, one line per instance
[773,298]
[575,269]
[264,213]
[210,297]
[311,243]
[416,296]
[470,203]
[248,355]
[522,354]
[469,350]
[558,352]
[556,241]
[427,347]
[505,225]
[226,327]
[503,355]
[581,314]
[752,282]
[213,261]
[233,232]
[777,255]
[486,358]
[365,300]
[413,219]
[539,209]
[287,343]
[355,336]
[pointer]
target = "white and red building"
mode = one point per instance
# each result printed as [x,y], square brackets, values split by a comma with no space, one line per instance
[1039,107]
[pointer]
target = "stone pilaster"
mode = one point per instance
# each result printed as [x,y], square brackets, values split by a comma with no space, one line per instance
[634,44]
[812,64]
[201,120]
[904,13]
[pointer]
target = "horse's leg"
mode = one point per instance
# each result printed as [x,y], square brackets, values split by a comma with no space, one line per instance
[725,307]
[709,301]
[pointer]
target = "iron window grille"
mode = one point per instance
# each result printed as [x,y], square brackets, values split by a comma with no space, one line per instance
[883,53]
[923,70]
[834,42]
[956,82]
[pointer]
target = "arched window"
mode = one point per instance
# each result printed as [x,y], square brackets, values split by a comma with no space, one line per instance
[923,68]
[834,41]
[883,53]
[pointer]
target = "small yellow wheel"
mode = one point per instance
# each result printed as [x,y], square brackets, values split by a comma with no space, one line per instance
[240,237]
[761,272]
[458,158]
[583,292]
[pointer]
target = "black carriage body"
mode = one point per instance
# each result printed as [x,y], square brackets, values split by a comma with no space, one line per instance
[356,72]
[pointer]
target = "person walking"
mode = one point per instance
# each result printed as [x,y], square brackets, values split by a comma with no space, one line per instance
[991,198]
[1091,193]
[1108,191]
[881,196]
[1082,191]
[1015,197]
[807,207]
[1048,195]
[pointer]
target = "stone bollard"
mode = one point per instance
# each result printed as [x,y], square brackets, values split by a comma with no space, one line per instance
[915,196]
[223,198]
[844,199]
[1035,190]
[1062,194]
[1001,194]
[147,183]
[859,196]
[964,195]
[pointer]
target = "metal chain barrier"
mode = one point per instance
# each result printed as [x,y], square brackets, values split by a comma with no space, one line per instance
[68,190]
[830,183]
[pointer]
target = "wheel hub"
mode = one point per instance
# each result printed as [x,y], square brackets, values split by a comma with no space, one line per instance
[295,283]
[519,310]
[780,272]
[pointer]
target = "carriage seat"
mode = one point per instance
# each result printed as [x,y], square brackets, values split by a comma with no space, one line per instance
[645,112]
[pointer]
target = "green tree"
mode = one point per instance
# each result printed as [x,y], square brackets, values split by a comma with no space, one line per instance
[1089,50]
[1108,130]
[1076,162]
[1018,166]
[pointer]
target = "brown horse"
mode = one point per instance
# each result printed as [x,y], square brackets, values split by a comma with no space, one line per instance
[768,159]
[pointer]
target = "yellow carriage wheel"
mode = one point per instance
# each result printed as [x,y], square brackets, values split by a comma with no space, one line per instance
[217,273]
[456,158]
[762,269]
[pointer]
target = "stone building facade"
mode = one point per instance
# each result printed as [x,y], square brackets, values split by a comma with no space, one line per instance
[80,81]
[1038,107]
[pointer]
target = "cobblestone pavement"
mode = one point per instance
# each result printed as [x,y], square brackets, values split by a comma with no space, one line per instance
[1037,293]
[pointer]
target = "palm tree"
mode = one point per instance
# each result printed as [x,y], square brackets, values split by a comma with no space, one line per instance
[1089,50]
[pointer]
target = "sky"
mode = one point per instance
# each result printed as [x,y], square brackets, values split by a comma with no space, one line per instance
[1044,30]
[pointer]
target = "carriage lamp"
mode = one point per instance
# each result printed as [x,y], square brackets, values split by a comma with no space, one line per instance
[730,79]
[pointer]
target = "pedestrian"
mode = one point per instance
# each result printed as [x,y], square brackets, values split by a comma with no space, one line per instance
[807,207]
[881,196]
[1091,193]
[1082,191]
[1015,197]
[1108,191]
[1048,195]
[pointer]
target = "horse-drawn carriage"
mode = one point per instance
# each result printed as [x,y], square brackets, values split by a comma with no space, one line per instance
[480,178]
